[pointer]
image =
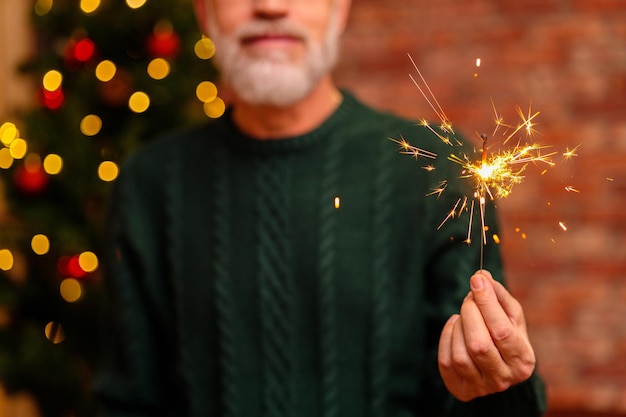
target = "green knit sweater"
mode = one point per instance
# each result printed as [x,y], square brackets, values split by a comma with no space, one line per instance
[241,289]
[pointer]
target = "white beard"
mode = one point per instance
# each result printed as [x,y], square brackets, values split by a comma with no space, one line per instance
[272,77]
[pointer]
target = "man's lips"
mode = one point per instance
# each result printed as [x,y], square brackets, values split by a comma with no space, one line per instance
[271,40]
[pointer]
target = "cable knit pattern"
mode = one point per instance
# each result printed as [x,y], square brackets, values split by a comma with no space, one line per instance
[224,291]
[282,305]
[275,288]
[327,291]
[381,285]
[173,203]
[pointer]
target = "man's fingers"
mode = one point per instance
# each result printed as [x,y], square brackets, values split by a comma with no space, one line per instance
[504,318]
[445,343]
[477,337]
[498,322]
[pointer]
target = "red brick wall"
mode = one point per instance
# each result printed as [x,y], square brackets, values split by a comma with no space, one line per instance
[567,57]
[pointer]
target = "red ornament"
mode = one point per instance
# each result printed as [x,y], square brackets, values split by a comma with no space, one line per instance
[84,50]
[53,100]
[30,180]
[163,43]
[69,266]
[79,52]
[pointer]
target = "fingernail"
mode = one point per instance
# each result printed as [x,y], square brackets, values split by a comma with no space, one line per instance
[476,282]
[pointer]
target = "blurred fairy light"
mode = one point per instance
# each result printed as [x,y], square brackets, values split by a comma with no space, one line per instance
[204,48]
[206,91]
[89,6]
[88,261]
[337,202]
[42,7]
[139,102]
[18,148]
[90,125]
[6,259]
[108,171]
[52,83]
[54,332]
[8,133]
[158,68]
[105,71]
[53,164]
[70,290]
[52,80]
[6,160]
[135,4]
[215,108]
[40,244]
[84,50]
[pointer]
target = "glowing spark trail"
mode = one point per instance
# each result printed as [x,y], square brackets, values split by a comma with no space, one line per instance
[494,174]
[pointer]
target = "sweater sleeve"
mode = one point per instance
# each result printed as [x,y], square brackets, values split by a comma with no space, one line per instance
[451,261]
[128,382]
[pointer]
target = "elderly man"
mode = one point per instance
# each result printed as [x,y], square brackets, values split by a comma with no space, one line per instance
[284,261]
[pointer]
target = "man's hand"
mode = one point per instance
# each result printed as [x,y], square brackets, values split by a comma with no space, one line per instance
[485,348]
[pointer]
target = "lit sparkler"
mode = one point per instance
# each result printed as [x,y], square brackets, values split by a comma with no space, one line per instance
[494,174]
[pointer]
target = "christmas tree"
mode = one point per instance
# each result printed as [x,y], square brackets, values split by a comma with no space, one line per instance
[110,75]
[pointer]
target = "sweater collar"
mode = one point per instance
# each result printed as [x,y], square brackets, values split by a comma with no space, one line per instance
[239,140]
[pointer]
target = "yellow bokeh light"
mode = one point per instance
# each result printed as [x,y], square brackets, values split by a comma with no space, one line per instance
[8,133]
[90,125]
[89,6]
[108,171]
[40,244]
[6,259]
[54,332]
[206,91]
[88,261]
[215,108]
[42,7]
[139,102]
[53,164]
[6,160]
[52,80]
[158,68]
[105,71]
[18,148]
[204,48]
[135,4]
[71,290]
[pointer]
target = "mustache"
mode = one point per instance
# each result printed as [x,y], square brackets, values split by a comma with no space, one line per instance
[260,28]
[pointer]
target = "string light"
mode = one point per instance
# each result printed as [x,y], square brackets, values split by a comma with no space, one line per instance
[52,89]
[42,7]
[206,91]
[90,125]
[70,290]
[108,171]
[8,133]
[215,108]
[135,4]
[139,102]
[18,148]
[105,71]
[6,259]
[40,244]
[52,80]
[88,261]
[158,68]
[53,164]
[54,332]
[204,48]
[6,160]
[89,6]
